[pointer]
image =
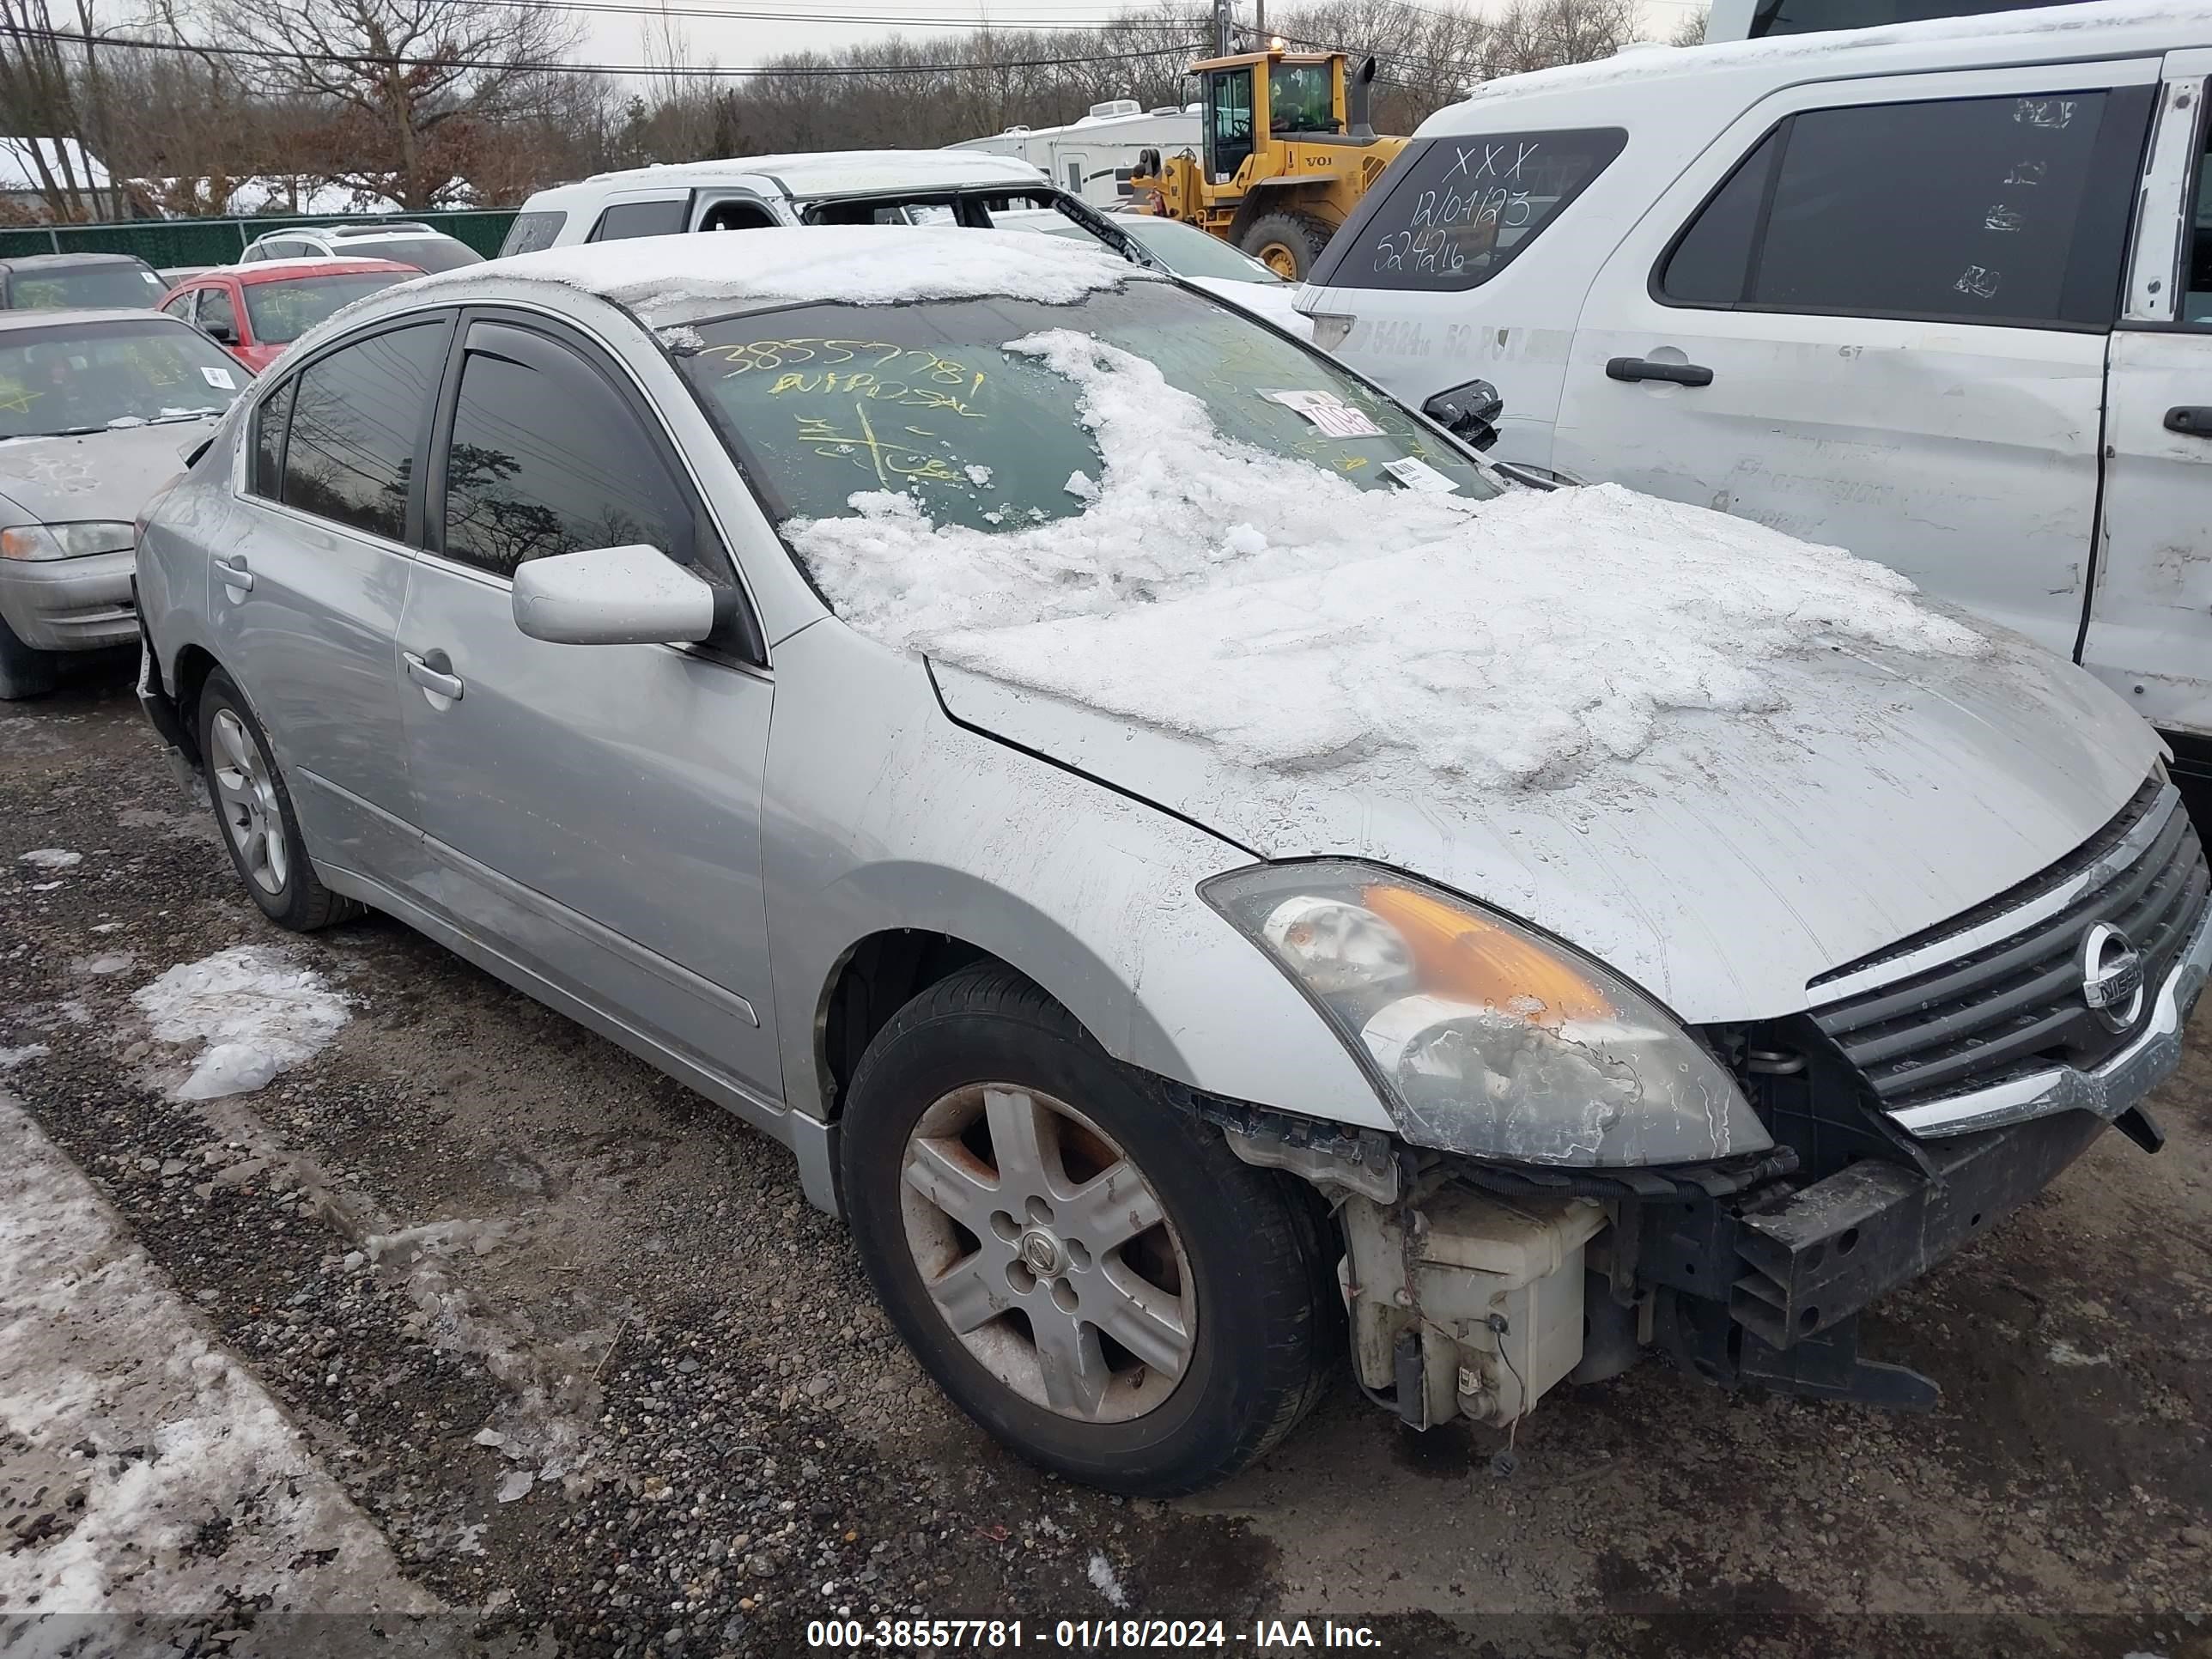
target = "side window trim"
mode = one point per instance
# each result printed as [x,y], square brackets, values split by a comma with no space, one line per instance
[709,542]
[411,531]
[2164,241]
[2123,97]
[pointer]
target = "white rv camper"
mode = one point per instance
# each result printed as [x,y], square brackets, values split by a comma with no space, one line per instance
[1092,157]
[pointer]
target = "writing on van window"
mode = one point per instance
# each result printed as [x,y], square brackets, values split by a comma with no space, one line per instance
[2052,113]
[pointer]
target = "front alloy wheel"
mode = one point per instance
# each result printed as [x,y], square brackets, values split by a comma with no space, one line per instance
[1047,1252]
[1077,1259]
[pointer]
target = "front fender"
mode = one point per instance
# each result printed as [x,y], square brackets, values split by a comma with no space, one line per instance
[883,813]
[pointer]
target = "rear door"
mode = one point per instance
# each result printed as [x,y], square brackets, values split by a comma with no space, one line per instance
[1874,314]
[2150,625]
[305,596]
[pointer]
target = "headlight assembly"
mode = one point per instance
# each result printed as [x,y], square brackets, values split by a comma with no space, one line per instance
[1483,1036]
[42,542]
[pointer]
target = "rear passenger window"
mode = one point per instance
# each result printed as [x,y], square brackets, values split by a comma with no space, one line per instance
[530,232]
[1452,212]
[546,458]
[2005,211]
[357,422]
[630,219]
[269,423]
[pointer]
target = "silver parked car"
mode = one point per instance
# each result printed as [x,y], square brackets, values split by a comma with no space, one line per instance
[95,407]
[1204,873]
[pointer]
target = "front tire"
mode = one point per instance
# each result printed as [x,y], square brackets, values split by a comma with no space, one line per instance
[1086,1269]
[253,810]
[24,671]
[1287,243]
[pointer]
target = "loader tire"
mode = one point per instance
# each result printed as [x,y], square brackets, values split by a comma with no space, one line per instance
[1287,243]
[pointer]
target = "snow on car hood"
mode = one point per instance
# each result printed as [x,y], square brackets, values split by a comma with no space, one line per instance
[94,474]
[1720,759]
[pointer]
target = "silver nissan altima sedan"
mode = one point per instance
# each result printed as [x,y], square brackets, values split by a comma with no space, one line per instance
[1213,881]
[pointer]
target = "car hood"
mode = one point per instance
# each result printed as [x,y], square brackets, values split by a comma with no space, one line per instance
[1722,869]
[96,475]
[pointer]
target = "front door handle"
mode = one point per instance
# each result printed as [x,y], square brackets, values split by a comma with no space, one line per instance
[1643,368]
[234,573]
[2192,420]
[430,675]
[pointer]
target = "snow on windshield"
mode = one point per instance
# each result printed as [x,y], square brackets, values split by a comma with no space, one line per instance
[1296,622]
[856,264]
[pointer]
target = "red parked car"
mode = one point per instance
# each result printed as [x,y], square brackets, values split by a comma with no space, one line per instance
[254,312]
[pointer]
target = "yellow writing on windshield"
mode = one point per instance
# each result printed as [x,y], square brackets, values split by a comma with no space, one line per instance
[864,382]
[15,397]
[893,463]
[778,354]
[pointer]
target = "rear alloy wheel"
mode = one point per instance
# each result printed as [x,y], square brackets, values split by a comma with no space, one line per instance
[254,811]
[1082,1264]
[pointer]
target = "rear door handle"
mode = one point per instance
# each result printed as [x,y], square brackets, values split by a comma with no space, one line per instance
[234,573]
[2192,420]
[1643,368]
[431,677]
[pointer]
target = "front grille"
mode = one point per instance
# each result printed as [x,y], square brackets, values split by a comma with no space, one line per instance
[2013,1007]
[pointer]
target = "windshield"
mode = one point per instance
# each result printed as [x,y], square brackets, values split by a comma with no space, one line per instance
[423,253]
[85,380]
[819,401]
[1183,249]
[1300,99]
[283,312]
[100,287]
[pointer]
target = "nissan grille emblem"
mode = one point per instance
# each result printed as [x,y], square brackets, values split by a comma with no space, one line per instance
[2112,977]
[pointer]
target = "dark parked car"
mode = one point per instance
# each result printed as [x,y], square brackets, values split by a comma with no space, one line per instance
[54,282]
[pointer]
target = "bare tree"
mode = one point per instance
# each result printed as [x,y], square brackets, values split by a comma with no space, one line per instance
[41,104]
[1691,31]
[411,85]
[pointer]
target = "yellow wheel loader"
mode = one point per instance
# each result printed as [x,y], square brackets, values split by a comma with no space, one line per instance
[1288,153]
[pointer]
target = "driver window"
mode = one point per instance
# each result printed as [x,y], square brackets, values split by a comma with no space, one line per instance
[1229,134]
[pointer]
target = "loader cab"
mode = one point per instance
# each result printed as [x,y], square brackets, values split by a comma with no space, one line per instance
[1270,95]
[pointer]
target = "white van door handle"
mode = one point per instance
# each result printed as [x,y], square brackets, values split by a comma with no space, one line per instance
[2192,420]
[1643,368]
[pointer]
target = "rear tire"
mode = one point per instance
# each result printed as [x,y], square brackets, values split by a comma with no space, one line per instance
[1217,1274]
[1287,243]
[24,671]
[253,811]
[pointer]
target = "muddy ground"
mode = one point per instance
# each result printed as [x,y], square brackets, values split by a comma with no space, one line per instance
[635,1316]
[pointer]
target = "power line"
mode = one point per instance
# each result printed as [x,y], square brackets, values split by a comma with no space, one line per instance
[557,66]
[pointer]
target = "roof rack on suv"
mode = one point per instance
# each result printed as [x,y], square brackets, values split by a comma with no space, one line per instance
[379,229]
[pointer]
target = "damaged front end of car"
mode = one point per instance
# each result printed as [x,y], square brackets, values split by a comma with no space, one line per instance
[1578,1181]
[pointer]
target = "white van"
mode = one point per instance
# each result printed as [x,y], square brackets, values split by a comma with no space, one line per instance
[830,187]
[1095,157]
[1940,293]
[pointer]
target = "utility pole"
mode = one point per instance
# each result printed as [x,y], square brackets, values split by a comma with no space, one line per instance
[1259,20]
[1225,28]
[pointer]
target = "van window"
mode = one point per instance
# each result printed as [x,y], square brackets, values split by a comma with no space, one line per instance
[1455,211]
[2004,210]
[2197,266]
[627,219]
[532,231]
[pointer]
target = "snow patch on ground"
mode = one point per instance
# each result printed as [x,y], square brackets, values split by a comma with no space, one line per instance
[11,1058]
[1300,623]
[52,858]
[1103,1580]
[140,1430]
[258,1013]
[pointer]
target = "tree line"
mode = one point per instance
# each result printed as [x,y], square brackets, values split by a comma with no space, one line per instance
[438,103]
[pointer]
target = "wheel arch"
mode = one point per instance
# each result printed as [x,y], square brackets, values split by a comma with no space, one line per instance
[875,977]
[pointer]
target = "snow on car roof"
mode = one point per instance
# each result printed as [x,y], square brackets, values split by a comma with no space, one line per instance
[856,264]
[2099,28]
[839,172]
[1276,612]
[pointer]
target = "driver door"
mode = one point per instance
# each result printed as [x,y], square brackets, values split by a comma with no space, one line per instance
[593,810]
[1228,123]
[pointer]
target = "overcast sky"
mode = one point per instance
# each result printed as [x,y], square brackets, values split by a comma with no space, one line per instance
[613,38]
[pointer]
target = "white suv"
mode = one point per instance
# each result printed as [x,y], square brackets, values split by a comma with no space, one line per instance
[1939,293]
[409,244]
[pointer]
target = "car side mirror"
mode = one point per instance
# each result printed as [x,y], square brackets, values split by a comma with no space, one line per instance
[223,334]
[634,595]
[1468,413]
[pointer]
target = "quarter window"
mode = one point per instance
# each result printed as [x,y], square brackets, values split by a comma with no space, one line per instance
[269,423]
[2007,210]
[547,458]
[1452,212]
[629,219]
[356,427]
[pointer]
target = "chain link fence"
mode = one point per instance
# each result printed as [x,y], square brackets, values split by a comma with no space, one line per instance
[163,243]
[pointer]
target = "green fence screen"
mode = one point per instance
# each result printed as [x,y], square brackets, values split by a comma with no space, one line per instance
[166,242]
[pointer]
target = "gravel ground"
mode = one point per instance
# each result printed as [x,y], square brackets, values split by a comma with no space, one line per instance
[569,1337]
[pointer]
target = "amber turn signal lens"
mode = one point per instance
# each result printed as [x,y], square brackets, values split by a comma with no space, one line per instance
[1461,955]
